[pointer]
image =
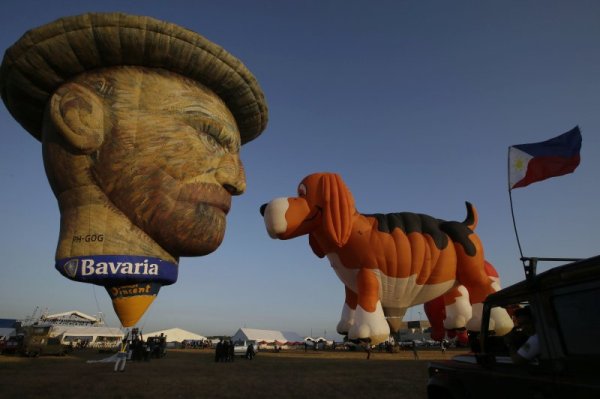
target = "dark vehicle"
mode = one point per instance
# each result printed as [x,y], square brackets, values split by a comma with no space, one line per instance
[564,303]
[37,341]
[157,346]
[12,345]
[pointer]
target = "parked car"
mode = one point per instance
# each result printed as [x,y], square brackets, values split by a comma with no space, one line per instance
[240,348]
[37,341]
[564,304]
[12,345]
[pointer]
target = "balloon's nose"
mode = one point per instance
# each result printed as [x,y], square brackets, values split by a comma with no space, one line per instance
[262,209]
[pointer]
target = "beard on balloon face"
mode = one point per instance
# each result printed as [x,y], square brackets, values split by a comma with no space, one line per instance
[186,219]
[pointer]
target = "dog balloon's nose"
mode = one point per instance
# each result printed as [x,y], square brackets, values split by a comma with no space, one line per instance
[262,209]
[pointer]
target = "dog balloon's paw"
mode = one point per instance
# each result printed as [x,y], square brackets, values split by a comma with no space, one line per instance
[346,321]
[474,323]
[455,322]
[344,326]
[369,333]
[370,325]
[500,321]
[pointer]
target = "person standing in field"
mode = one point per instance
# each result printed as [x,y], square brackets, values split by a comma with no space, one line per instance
[414,349]
[122,355]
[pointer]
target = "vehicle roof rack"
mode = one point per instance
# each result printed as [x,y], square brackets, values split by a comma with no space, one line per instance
[530,264]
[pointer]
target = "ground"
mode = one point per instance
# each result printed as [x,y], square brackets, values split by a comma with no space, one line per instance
[194,374]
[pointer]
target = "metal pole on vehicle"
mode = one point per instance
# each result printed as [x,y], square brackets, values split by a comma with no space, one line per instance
[512,212]
[530,264]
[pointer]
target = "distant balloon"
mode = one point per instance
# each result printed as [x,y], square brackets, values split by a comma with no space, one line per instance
[388,262]
[141,123]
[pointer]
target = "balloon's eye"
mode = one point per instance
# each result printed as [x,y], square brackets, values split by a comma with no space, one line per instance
[302,190]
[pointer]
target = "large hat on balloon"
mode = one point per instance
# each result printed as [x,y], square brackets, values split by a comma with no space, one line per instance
[46,57]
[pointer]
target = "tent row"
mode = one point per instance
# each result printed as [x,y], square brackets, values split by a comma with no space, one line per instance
[281,339]
[74,327]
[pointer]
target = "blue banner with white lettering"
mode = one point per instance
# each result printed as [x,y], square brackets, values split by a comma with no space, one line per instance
[114,270]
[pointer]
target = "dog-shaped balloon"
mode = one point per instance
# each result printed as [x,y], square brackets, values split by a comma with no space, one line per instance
[389,262]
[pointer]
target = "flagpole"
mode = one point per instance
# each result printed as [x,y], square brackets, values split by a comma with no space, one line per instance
[512,212]
[514,223]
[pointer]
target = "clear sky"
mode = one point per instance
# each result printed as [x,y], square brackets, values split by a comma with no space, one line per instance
[414,103]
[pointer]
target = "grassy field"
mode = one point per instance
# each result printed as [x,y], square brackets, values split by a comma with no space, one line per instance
[194,374]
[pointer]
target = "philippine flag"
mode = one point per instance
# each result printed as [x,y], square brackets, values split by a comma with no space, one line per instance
[530,163]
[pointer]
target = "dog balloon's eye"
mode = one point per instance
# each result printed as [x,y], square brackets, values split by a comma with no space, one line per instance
[301,190]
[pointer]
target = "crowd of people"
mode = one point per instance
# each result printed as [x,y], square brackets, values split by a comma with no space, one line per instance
[225,351]
[133,347]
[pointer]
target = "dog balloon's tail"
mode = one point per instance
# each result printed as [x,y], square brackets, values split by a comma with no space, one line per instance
[472,218]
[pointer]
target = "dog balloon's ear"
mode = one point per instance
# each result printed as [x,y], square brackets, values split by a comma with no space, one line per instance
[338,208]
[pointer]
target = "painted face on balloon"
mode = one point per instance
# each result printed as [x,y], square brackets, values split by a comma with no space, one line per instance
[172,162]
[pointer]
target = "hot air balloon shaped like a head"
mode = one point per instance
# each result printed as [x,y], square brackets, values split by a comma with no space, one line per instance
[141,123]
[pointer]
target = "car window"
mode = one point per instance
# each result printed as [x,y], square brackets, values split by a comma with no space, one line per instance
[579,321]
[518,340]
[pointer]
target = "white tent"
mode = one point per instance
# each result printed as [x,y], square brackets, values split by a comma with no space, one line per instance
[100,337]
[176,335]
[72,317]
[319,342]
[268,336]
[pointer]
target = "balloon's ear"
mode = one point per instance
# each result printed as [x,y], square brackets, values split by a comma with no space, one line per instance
[78,114]
[338,208]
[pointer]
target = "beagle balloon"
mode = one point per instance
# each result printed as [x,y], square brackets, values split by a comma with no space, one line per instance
[389,262]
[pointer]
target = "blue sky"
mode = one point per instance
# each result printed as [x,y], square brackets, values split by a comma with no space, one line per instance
[414,103]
